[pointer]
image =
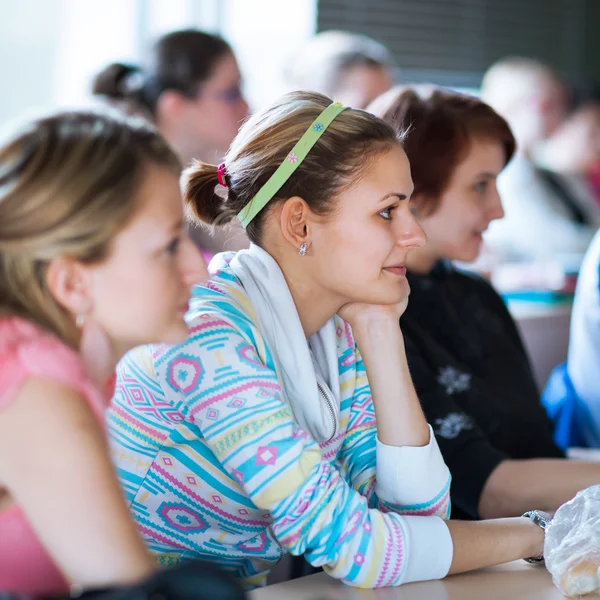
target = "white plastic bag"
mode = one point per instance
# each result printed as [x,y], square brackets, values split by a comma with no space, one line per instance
[572,545]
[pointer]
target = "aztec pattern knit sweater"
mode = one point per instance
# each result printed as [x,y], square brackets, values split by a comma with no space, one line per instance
[214,465]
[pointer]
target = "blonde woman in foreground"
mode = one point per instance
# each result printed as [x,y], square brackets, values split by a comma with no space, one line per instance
[93,262]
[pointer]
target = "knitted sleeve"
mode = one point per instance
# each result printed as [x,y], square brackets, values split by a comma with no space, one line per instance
[391,477]
[237,402]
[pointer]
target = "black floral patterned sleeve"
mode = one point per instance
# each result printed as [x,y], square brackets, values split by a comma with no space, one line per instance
[473,379]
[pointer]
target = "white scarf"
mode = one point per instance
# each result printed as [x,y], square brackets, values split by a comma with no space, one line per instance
[280,326]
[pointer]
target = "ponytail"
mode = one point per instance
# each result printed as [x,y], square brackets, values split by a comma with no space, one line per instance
[122,86]
[264,142]
[205,201]
[116,81]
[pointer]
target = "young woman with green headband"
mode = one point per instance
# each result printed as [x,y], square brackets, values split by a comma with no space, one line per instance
[258,436]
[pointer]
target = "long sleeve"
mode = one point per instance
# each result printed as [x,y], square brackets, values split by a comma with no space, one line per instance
[466,449]
[236,401]
[391,477]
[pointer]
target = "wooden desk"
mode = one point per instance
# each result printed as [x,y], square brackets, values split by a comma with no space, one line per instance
[512,581]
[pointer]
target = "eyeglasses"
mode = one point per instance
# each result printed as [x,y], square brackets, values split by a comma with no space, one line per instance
[231,95]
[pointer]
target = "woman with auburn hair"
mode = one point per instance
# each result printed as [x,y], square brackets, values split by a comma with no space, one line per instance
[93,261]
[467,360]
[288,421]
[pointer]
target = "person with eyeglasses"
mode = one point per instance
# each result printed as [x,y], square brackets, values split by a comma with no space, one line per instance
[190,87]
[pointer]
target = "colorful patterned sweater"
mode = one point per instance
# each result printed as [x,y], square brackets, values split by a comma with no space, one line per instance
[215,467]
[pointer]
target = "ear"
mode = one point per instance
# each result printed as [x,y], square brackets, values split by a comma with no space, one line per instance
[170,104]
[68,282]
[295,221]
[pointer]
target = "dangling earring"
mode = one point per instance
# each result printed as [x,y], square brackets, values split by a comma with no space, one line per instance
[80,320]
[302,250]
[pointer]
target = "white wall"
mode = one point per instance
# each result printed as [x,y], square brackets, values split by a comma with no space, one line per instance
[265,34]
[90,36]
[28,50]
[50,49]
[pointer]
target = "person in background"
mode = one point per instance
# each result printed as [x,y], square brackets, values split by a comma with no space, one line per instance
[352,68]
[93,261]
[468,363]
[288,421]
[539,223]
[571,157]
[190,87]
[572,394]
[190,84]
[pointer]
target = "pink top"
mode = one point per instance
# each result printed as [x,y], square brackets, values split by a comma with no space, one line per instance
[26,351]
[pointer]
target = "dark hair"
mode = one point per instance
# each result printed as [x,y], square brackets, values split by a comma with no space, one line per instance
[179,61]
[68,183]
[337,160]
[440,126]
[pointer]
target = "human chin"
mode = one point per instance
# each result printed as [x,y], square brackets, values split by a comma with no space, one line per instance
[469,251]
[392,293]
[176,334]
[170,327]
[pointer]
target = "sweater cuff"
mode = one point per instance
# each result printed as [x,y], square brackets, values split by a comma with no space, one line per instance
[429,548]
[411,475]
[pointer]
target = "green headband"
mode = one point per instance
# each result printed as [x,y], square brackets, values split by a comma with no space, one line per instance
[292,161]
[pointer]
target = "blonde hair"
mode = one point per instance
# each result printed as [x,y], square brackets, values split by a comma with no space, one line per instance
[68,184]
[338,159]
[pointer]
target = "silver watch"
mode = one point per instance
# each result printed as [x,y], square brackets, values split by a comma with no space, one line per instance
[541,519]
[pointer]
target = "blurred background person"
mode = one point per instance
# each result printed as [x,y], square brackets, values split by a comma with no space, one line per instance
[529,95]
[466,357]
[190,86]
[572,395]
[348,67]
[574,146]
[570,157]
[533,100]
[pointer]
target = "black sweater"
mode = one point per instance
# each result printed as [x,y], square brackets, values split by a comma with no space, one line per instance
[473,378]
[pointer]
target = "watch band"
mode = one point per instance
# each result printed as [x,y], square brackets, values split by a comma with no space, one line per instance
[541,519]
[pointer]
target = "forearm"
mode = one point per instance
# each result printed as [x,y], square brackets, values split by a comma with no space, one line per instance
[400,419]
[516,486]
[479,544]
[331,526]
[391,477]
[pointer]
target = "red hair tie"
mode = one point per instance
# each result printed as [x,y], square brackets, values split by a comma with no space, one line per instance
[221,175]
